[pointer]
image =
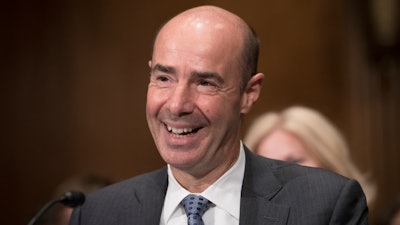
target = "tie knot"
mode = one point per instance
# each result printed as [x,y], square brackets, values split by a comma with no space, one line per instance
[195,204]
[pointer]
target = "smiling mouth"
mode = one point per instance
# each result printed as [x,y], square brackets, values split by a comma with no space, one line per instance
[182,131]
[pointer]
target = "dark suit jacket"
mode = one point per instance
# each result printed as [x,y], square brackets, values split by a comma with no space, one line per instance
[273,192]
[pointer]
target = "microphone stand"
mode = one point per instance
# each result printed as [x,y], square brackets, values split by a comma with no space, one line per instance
[70,199]
[43,210]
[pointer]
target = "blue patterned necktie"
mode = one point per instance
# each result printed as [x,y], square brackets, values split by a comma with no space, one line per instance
[195,206]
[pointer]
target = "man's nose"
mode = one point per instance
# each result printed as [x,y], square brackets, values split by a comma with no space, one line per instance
[181,102]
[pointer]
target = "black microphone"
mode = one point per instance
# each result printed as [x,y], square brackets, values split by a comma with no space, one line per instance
[72,198]
[69,198]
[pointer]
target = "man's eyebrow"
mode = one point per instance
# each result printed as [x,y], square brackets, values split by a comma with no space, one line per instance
[164,69]
[208,75]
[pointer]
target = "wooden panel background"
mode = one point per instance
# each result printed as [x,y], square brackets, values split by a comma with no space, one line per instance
[74,79]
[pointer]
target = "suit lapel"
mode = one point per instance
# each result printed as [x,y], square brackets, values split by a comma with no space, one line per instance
[261,211]
[151,199]
[259,186]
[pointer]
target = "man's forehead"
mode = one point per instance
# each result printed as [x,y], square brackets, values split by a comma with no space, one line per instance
[204,18]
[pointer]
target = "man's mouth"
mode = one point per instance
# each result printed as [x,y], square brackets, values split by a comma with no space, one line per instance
[182,131]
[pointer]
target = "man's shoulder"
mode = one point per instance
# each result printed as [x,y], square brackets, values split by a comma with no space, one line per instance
[126,199]
[282,178]
[313,195]
[288,172]
[143,182]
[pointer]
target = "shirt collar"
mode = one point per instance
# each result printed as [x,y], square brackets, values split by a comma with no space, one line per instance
[225,193]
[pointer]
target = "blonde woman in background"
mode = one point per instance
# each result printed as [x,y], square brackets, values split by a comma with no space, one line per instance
[305,136]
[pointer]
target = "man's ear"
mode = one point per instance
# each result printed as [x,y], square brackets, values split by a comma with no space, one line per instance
[149,64]
[251,92]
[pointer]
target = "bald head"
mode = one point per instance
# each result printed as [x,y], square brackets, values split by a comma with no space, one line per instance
[209,16]
[214,28]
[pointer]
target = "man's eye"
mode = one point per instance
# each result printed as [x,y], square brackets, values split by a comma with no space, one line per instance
[162,78]
[205,83]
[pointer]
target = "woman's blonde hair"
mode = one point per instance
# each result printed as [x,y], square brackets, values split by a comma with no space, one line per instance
[319,136]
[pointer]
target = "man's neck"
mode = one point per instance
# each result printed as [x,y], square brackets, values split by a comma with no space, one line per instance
[198,182]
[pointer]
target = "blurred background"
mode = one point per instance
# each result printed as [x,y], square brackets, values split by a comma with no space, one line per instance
[74,77]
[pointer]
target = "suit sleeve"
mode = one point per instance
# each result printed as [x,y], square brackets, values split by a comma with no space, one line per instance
[351,207]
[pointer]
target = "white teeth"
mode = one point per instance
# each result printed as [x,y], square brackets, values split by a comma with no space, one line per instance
[179,130]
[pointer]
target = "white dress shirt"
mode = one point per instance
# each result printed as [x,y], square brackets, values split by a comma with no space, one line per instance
[224,193]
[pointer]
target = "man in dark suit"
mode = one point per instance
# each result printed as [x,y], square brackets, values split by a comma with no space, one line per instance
[203,81]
